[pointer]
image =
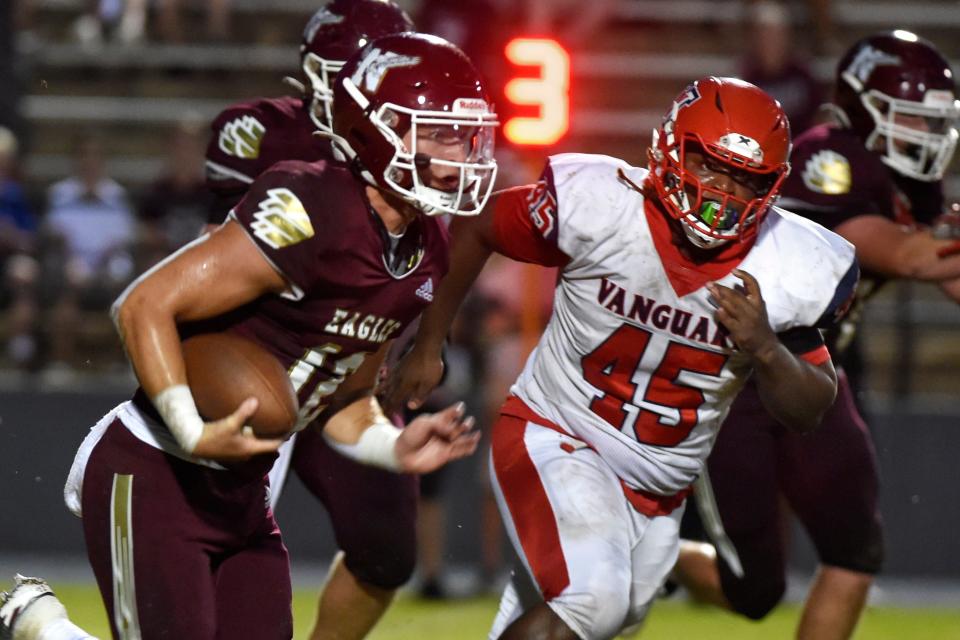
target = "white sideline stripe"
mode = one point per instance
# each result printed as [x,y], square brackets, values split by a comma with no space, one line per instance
[121,550]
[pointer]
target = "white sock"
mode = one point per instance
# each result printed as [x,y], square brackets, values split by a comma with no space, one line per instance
[63,629]
[46,619]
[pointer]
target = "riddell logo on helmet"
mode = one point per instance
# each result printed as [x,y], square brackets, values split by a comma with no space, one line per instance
[470,105]
[937,98]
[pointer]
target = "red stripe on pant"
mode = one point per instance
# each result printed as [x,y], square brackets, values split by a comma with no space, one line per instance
[529,507]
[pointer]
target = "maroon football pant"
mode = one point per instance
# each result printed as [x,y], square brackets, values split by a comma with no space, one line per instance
[181,551]
[828,478]
[373,512]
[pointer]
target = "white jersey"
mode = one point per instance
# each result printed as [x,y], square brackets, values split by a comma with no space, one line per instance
[636,368]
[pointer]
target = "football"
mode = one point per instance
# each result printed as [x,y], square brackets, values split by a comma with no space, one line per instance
[224,369]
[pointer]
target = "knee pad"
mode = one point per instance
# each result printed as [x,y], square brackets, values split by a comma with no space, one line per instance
[866,557]
[388,567]
[597,615]
[751,597]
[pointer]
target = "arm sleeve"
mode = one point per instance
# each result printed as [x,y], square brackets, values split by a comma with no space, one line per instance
[807,343]
[843,297]
[525,224]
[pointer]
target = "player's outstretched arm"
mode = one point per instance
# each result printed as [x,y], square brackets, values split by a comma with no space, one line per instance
[206,278]
[362,432]
[420,370]
[895,251]
[794,391]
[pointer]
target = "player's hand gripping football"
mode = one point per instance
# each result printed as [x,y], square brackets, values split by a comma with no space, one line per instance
[412,380]
[743,313]
[227,440]
[433,439]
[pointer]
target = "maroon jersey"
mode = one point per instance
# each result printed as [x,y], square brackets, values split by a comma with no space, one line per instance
[250,137]
[313,222]
[835,178]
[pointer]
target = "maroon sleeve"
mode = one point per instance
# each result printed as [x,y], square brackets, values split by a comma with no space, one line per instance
[834,178]
[274,212]
[234,156]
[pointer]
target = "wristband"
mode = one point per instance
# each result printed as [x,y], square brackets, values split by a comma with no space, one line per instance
[376,446]
[179,412]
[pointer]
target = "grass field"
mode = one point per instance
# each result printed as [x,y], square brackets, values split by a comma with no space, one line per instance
[411,619]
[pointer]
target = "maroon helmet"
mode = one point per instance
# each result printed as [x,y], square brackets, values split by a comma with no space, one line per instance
[398,83]
[897,93]
[333,34]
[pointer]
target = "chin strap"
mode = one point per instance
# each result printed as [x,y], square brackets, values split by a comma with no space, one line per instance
[295,84]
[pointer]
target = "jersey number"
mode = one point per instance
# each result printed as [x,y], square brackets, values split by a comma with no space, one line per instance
[309,371]
[668,410]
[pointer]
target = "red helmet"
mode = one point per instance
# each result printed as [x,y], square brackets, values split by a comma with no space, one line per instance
[736,125]
[397,83]
[895,74]
[333,34]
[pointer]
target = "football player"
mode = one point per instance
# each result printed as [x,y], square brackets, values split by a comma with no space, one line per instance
[372,511]
[321,263]
[873,177]
[677,281]
[250,136]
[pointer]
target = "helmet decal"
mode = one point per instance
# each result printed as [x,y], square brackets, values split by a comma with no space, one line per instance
[690,95]
[321,18]
[375,65]
[742,145]
[868,59]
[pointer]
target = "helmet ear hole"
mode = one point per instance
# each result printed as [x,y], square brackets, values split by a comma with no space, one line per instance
[391,119]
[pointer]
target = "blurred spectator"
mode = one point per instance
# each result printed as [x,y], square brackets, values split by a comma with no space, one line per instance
[571,22]
[774,64]
[126,20]
[17,262]
[819,15]
[10,82]
[175,206]
[171,24]
[90,229]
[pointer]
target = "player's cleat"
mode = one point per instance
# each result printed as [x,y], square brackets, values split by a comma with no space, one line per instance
[26,592]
